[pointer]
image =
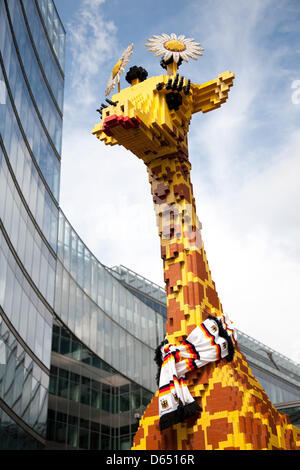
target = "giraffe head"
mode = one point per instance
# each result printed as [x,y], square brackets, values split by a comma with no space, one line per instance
[151,117]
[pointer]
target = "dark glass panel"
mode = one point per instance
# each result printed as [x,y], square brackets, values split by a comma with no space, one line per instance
[84,440]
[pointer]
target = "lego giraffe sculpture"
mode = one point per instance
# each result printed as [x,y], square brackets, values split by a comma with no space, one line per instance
[151,118]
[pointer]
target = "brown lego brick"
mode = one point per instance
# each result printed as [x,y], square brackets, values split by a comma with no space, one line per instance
[175,249]
[161,191]
[212,297]
[224,398]
[175,316]
[173,274]
[218,432]
[183,191]
[196,264]
[156,171]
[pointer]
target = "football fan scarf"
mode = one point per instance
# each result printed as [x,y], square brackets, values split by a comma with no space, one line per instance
[214,339]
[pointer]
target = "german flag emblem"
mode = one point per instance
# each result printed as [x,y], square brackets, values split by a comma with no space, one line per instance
[164,404]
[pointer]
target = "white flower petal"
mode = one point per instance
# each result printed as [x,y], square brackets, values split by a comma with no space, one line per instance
[197,53]
[176,56]
[193,49]
[168,55]
[198,49]
[127,53]
[110,86]
[110,81]
[184,56]
[108,90]
[173,36]
[115,80]
[181,38]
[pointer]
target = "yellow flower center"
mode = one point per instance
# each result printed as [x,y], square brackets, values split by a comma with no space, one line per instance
[174,45]
[116,68]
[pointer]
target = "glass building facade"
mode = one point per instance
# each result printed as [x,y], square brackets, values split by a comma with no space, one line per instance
[77,338]
[31,102]
[104,337]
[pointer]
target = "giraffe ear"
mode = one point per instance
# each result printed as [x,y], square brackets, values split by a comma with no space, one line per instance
[211,95]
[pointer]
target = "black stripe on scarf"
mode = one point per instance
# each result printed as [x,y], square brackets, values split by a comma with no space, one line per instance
[179,415]
[158,359]
[223,333]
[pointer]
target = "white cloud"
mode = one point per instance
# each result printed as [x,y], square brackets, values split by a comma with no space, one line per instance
[106,197]
[92,41]
[251,236]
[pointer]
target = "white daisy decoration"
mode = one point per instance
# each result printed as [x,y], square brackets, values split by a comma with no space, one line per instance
[176,47]
[118,70]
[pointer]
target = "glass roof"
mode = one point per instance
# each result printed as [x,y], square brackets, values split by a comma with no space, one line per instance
[140,283]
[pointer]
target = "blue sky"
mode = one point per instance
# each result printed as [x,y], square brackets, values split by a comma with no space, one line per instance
[245,156]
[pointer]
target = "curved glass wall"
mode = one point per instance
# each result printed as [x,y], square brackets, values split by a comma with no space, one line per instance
[278,390]
[49,113]
[45,51]
[279,376]
[23,308]
[37,198]
[102,366]
[13,437]
[23,385]
[30,248]
[102,313]
[31,97]
[55,29]
[91,405]
[24,124]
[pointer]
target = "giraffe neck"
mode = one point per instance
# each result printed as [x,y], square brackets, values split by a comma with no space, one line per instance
[191,293]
